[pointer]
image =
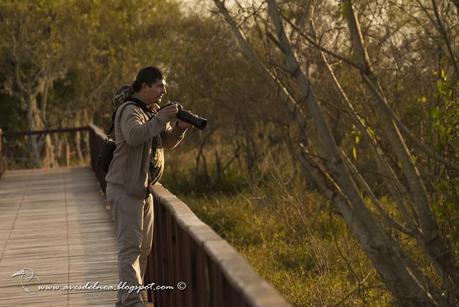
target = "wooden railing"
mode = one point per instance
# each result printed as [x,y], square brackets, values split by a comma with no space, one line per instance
[96,142]
[187,250]
[38,133]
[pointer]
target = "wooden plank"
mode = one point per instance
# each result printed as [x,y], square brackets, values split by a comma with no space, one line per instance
[54,222]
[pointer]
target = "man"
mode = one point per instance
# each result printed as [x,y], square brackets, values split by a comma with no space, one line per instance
[141,133]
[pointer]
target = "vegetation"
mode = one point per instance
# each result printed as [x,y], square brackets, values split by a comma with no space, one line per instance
[331,157]
[290,237]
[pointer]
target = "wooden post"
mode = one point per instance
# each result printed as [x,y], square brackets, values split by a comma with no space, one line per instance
[67,153]
[2,165]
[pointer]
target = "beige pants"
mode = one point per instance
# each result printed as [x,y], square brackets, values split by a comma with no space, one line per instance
[133,219]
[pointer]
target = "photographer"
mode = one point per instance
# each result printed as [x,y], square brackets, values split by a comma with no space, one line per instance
[141,133]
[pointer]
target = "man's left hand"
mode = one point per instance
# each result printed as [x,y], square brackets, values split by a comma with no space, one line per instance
[183,125]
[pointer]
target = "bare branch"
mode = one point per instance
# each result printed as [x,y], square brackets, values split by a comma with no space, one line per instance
[313,42]
[443,33]
[410,230]
[292,104]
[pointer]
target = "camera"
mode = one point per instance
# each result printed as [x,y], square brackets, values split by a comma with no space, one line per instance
[187,116]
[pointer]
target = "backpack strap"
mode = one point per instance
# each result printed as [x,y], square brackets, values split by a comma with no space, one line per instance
[122,106]
[141,105]
[134,101]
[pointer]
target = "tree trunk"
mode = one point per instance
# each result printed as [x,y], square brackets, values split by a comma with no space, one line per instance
[428,235]
[57,149]
[79,153]
[87,148]
[33,140]
[49,159]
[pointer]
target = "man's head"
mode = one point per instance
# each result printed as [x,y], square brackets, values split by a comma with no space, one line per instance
[150,85]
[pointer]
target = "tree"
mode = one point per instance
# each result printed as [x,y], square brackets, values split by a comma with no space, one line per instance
[62,61]
[327,161]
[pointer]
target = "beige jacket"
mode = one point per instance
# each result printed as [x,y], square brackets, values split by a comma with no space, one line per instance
[134,133]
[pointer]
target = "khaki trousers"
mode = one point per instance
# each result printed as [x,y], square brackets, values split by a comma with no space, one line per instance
[133,219]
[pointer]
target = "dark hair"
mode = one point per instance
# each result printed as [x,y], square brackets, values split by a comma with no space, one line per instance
[148,75]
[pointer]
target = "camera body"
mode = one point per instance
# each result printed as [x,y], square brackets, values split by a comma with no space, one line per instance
[187,116]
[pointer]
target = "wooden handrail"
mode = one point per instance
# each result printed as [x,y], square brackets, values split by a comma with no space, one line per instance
[8,135]
[185,249]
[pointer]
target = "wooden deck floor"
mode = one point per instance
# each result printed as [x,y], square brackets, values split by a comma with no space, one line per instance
[54,222]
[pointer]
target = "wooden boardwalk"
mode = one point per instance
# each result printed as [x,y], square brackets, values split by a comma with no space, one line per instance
[54,222]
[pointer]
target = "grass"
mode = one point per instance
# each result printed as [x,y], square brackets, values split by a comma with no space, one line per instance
[290,238]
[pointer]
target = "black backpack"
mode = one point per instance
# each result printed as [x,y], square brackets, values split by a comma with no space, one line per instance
[106,155]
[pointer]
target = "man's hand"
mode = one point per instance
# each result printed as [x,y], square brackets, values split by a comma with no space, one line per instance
[168,113]
[183,125]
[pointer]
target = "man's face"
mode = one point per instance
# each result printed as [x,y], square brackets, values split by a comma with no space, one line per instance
[155,92]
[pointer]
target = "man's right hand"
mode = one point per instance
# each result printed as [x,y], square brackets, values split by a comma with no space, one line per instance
[168,113]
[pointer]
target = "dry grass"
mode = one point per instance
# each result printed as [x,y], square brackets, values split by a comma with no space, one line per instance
[291,239]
